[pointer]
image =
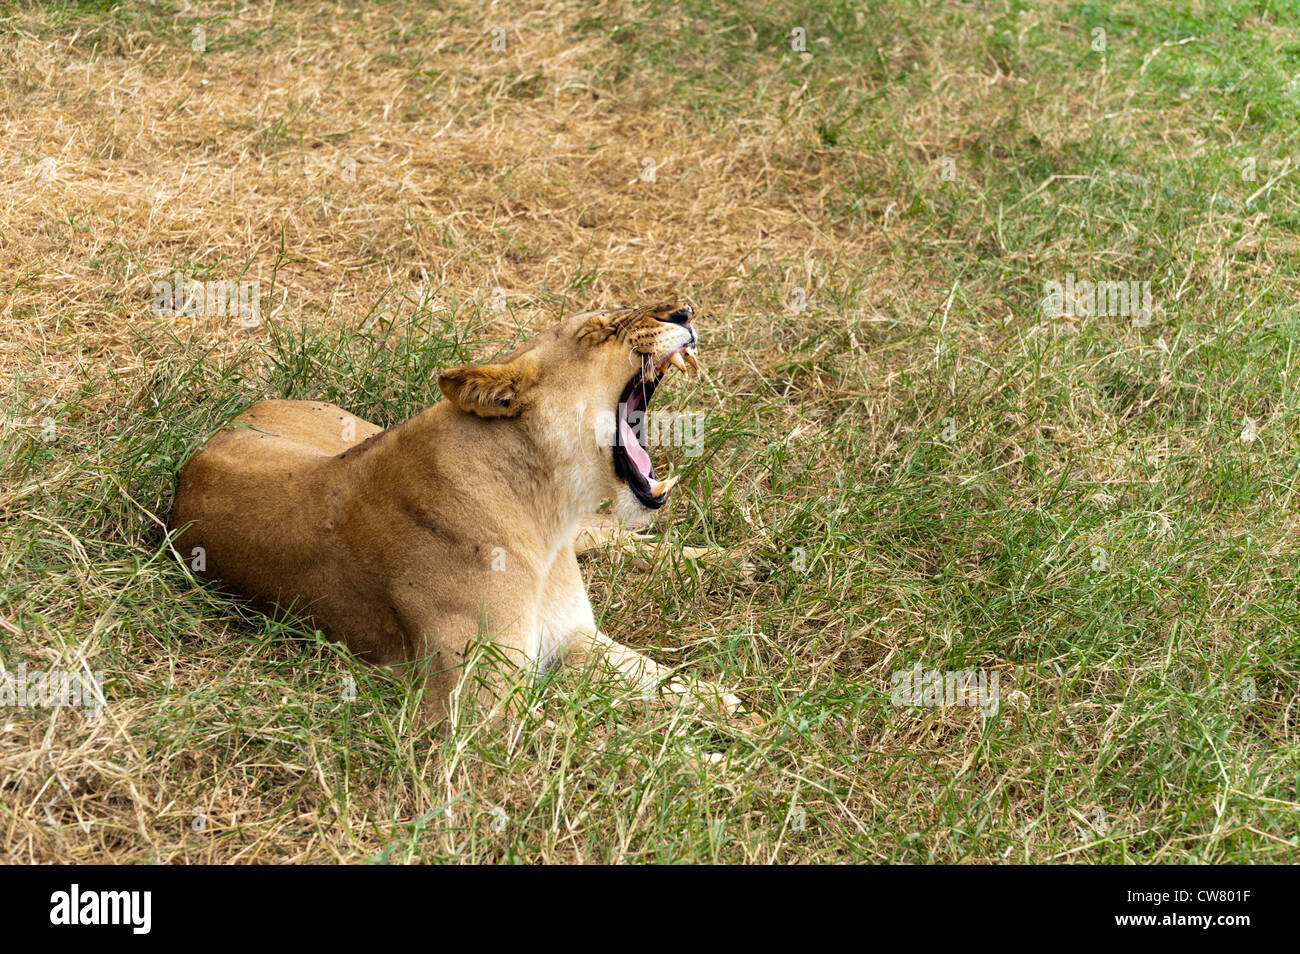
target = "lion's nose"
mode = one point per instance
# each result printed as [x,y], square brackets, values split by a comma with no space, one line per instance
[681,316]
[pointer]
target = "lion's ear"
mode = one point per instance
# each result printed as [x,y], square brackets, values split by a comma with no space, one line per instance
[490,390]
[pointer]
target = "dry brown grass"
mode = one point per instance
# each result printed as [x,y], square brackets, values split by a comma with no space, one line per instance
[514,171]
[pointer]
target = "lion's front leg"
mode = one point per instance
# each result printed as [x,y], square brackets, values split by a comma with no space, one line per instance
[600,530]
[647,678]
[581,644]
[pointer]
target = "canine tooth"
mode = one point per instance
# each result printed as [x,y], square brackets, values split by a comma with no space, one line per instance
[661,487]
[678,361]
[692,360]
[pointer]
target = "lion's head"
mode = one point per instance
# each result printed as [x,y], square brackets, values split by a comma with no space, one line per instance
[580,392]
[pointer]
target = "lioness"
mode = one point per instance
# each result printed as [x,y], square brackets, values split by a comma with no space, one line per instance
[409,543]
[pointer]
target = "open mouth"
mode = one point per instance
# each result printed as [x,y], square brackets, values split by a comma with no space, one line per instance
[631,454]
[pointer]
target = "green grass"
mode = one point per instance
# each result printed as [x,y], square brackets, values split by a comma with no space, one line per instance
[1092,526]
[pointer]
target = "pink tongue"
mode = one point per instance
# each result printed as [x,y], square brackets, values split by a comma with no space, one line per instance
[635,452]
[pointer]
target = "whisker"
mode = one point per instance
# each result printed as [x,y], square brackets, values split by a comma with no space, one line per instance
[645,368]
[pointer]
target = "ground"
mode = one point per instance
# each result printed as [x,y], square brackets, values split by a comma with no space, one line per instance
[908,459]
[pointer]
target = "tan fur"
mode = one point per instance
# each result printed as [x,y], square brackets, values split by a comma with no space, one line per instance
[409,543]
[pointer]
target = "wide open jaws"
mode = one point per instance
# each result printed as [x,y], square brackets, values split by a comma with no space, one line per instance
[632,460]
